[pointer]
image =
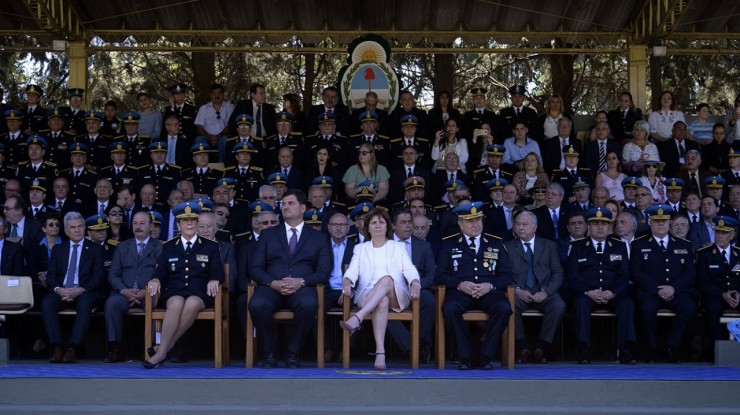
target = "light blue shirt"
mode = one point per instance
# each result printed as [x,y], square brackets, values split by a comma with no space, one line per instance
[150,124]
[515,153]
[335,281]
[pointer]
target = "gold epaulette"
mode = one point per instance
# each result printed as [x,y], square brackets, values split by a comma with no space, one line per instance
[451,236]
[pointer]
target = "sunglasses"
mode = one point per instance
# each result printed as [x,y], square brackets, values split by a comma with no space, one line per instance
[115,213]
[269,222]
[364,153]
[53,225]
[540,191]
[218,115]
[654,166]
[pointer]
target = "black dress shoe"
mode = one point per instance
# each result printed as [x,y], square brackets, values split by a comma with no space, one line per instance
[525,356]
[626,358]
[70,356]
[292,362]
[114,356]
[671,356]
[56,355]
[539,356]
[585,357]
[464,365]
[149,365]
[485,365]
[269,361]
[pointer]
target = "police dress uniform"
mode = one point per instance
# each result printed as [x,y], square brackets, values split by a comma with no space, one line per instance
[16,150]
[111,128]
[247,184]
[58,147]
[652,266]
[99,155]
[34,120]
[186,115]
[421,145]
[482,176]
[489,265]
[46,173]
[568,179]
[272,145]
[128,175]
[257,152]
[608,271]
[185,274]
[137,152]
[205,182]
[164,181]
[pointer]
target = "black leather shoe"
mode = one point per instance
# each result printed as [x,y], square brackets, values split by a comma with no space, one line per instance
[539,356]
[269,361]
[114,356]
[292,362]
[56,355]
[149,365]
[465,365]
[585,357]
[485,365]
[525,356]
[672,356]
[626,358]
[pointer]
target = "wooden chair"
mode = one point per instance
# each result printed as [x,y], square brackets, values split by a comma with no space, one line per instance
[286,315]
[16,295]
[507,340]
[409,314]
[219,314]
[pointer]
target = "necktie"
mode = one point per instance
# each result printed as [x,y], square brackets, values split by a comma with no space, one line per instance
[737,175]
[56,136]
[258,120]
[14,231]
[518,112]
[693,180]
[189,248]
[72,268]
[326,138]
[555,222]
[681,149]
[573,173]
[36,169]
[599,249]
[159,169]
[694,219]
[35,211]
[200,172]
[624,114]
[563,143]
[452,176]
[59,205]
[282,140]
[409,173]
[530,282]
[243,171]
[285,172]
[471,245]
[171,147]
[128,216]
[507,215]
[662,245]
[584,206]
[480,112]
[724,256]
[602,156]
[407,244]
[141,248]
[675,208]
[293,242]
[77,174]
[101,209]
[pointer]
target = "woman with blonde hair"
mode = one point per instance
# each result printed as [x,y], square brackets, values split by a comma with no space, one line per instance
[367,168]
[526,178]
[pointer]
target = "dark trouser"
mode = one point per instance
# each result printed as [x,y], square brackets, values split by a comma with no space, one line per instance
[400,333]
[715,307]
[495,304]
[621,305]
[116,307]
[553,308]
[266,301]
[83,304]
[684,307]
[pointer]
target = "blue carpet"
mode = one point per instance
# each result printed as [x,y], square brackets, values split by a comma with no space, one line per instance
[203,370]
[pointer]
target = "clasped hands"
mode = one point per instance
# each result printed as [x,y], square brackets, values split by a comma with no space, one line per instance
[528,297]
[600,296]
[287,285]
[732,298]
[666,292]
[211,289]
[474,290]
[69,294]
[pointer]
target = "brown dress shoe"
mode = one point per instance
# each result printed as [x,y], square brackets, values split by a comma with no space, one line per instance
[70,356]
[114,356]
[539,356]
[57,355]
[525,356]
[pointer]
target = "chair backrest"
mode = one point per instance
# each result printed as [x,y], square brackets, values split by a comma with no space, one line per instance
[16,294]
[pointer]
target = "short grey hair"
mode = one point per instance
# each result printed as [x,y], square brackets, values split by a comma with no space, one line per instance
[642,125]
[557,187]
[72,216]
[695,152]
[267,188]
[531,215]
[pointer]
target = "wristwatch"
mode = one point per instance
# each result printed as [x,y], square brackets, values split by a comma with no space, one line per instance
[303,282]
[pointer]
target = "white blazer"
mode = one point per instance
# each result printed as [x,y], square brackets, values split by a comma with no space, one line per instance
[400,268]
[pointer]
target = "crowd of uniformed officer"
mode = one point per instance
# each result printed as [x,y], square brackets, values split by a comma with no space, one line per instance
[40,146]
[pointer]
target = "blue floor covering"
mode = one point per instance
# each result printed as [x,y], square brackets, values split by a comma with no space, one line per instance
[205,370]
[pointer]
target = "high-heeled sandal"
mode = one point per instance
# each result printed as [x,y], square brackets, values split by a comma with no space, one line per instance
[345,325]
[377,366]
[149,365]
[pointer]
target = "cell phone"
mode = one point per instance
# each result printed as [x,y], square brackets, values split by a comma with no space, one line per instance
[479,132]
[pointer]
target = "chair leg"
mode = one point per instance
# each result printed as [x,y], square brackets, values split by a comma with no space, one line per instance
[440,328]
[508,347]
[414,341]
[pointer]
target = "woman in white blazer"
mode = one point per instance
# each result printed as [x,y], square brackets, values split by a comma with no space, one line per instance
[384,277]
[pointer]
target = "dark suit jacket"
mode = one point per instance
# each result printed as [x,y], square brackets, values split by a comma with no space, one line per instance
[128,267]
[32,234]
[398,176]
[91,271]
[12,259]
[341,119]
[650,266]
[547,268]
[685,176]
[699,235]
[545,227]
[423,259]
[621,127]
[244,106]
[312,260]
[668,151]
[296,179]
[552,152]
[591,153]
[495,223]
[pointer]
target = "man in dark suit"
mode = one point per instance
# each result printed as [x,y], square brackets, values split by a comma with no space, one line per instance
[185,112]
[554,149]
[288,281]
[410,137]
[407,106]
[662,268]
[500,211]
[132,266]
[178,144]
[691,174]
[60,198]
[598,273]
[478,115]
[719,274]
[332,105]
[537,274]
[98,155]
[476,271]
[517,112]
[623,118]
[20,228]
[551,223]
[256,106]
[596,151]
[162,175]
[410,168]
[494,156]
[673,151]
[451,173]
[701,233]
[291,172]
[422,258]
[75,277]
[11,254]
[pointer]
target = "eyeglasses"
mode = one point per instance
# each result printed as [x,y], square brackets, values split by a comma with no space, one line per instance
[364,153]
[654,166]
[52,225]
[540,191]
[115,213]
[643,194]
[338,225]
[269,222]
